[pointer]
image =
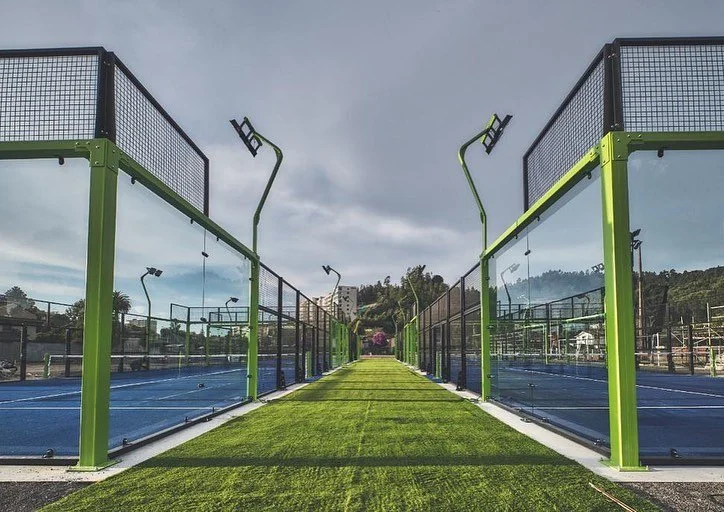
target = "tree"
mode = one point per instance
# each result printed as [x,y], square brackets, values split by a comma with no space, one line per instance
[121,302]
[121,305]
[17,296]
[380,339]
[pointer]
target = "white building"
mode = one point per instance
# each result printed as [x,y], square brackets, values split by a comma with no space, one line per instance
[346,297]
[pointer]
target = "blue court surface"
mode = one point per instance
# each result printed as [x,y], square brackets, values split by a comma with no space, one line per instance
[675,411]
[44,414]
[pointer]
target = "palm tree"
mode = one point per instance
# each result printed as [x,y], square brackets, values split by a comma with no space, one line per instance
[121,302]
[121,305]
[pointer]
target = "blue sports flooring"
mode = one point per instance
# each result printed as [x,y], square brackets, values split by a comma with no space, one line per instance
[675,411]
[44,414]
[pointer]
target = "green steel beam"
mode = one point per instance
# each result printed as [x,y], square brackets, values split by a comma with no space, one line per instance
[652,141]
[620,336]
[44,149]
[139,173]
[98,321]
[575,174]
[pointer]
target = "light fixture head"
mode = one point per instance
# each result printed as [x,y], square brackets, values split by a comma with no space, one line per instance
[234,299]
[158,272]
[326,268]
[514,267]
[150,270]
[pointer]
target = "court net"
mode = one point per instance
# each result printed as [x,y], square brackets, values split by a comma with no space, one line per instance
[141,365]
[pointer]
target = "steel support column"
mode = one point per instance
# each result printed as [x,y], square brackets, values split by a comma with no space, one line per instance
[620,336]
[98,320]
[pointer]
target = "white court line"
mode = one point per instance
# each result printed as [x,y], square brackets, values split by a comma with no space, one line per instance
[192,391]
[129,408]
[601,408]
[643,386]
[117,386]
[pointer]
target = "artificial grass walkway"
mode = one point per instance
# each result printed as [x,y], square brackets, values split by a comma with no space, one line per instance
[370,437]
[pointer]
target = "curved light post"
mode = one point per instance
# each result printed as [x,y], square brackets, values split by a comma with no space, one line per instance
[253,140]
[231,299]
[512,268]
[156,272]
[327,269]
[417,317]
[488,137]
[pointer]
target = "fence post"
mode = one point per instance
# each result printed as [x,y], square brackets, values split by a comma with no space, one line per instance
[485,324]
[280,300]
[23,351]
[620,335]
[98,321]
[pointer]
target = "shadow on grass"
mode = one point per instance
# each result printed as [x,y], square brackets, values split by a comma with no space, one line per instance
[340,462]
[371,399]
[425,389]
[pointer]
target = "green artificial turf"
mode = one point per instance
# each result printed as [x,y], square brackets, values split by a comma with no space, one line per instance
[370,437]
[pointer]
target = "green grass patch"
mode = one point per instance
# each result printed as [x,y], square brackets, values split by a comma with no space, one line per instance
[370,437]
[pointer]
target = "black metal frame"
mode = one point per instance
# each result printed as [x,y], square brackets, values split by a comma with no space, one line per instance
[613,102]
[105,114]
[315,332]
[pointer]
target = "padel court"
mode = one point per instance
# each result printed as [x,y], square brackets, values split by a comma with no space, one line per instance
[42,415]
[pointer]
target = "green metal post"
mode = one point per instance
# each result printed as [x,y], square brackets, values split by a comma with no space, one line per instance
[98,322]
[620,335]
[485,325]
[484,294]
[187,345]
[253,350]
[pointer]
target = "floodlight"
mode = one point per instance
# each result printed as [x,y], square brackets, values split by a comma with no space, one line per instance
[494,132]
[233,299]
[326,268]
[150,271]
[247,134]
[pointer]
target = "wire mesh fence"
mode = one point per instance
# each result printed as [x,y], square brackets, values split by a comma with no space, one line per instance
[82,93]
[636,85]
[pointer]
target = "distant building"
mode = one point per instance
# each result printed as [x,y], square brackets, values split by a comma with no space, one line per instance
[141,323]
[345,296]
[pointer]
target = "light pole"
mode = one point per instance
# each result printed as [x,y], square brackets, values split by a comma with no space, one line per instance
[636,246]
[156,272]
[417,316]
[512,268]
[253,140]
[489,137]
[234,300]
[327,269]
[231,321]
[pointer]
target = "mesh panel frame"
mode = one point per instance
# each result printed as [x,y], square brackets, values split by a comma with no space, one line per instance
[147,134]
[48,97]
[472,287]
[268,289]
[575,129]
[672,87]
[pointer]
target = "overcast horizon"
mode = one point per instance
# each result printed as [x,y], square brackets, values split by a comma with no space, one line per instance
[369,101]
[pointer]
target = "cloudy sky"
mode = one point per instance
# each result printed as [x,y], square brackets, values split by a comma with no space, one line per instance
[369,101]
